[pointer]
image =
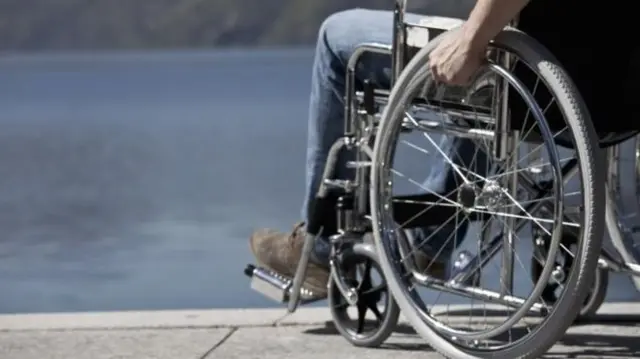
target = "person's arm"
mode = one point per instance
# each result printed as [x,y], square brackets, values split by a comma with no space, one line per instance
[488,18]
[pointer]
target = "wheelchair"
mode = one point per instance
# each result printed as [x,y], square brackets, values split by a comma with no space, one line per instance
[551,183]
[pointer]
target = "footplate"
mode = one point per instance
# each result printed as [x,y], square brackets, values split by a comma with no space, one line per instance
[276,286]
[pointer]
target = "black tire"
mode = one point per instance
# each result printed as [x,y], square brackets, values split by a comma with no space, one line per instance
[596,296]
[388,319]
[597,292]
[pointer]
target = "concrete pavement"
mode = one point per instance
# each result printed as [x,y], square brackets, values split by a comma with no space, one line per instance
[260,334]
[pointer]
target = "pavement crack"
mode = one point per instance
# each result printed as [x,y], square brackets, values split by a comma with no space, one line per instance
[277,322]
[219,343]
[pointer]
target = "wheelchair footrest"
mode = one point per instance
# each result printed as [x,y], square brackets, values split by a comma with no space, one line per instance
[276,286]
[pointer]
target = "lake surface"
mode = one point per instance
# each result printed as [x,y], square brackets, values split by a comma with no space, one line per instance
[133,180]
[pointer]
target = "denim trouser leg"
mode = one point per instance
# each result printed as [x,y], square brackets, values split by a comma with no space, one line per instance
[443,179]
[339,36]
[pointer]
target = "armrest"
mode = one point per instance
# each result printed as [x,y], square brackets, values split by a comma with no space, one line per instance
[418,35]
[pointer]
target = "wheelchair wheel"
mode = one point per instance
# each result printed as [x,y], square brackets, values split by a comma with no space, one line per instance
[485,186]
[623,201]
[361,262]
[596,295]
[563,263]
[624,170]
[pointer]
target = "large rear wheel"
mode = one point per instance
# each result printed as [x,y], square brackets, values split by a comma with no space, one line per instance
[499,193]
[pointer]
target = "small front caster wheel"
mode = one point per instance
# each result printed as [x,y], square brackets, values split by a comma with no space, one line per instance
[360,266]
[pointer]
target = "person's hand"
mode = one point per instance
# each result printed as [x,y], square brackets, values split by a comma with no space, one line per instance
[456,59]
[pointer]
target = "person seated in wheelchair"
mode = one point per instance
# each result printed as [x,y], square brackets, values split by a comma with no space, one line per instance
[571,30]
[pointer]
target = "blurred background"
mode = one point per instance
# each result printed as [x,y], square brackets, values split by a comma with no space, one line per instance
[121,24]
[142,141]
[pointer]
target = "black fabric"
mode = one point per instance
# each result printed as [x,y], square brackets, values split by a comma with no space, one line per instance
[593,41]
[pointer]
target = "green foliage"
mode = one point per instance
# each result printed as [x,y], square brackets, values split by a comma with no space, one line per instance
[92,24]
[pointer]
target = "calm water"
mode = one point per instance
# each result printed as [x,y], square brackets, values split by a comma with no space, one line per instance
[132,181]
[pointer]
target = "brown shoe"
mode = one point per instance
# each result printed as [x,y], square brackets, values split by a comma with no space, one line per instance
[281,252]
[425,264]
[428,266]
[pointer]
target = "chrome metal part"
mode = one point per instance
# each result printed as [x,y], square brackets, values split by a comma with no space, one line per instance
[398,39]
[301,273]
[509,234]
[275,286]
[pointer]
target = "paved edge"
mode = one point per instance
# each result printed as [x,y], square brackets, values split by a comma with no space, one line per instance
[215,318]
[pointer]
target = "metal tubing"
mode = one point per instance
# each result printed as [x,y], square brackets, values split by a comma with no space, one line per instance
[350,85]
[398,40]
[301,273]
[301,270]
[509,236]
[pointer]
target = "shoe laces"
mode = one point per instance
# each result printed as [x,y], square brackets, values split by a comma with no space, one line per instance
[295,232]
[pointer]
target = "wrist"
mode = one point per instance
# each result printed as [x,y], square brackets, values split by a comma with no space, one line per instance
[476,36]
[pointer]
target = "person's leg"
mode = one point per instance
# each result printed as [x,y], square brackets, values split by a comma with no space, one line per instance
[339,35]
[338,38]
[437,244]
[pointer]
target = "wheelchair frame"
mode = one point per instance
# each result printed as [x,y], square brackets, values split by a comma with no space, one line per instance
[353,222]
[621,231]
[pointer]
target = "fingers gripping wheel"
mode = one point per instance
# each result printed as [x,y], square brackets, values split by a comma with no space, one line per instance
[563,262]
[373,318]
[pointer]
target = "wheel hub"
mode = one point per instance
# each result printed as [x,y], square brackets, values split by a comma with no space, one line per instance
[493,196]
[467,195]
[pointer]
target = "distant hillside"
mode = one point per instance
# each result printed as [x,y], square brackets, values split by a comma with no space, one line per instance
[91,24]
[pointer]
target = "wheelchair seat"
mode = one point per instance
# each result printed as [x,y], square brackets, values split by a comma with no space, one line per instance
[609,139]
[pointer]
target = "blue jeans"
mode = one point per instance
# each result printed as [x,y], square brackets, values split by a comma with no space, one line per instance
[339,36]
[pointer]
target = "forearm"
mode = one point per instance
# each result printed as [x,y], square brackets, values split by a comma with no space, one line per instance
[488,18]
